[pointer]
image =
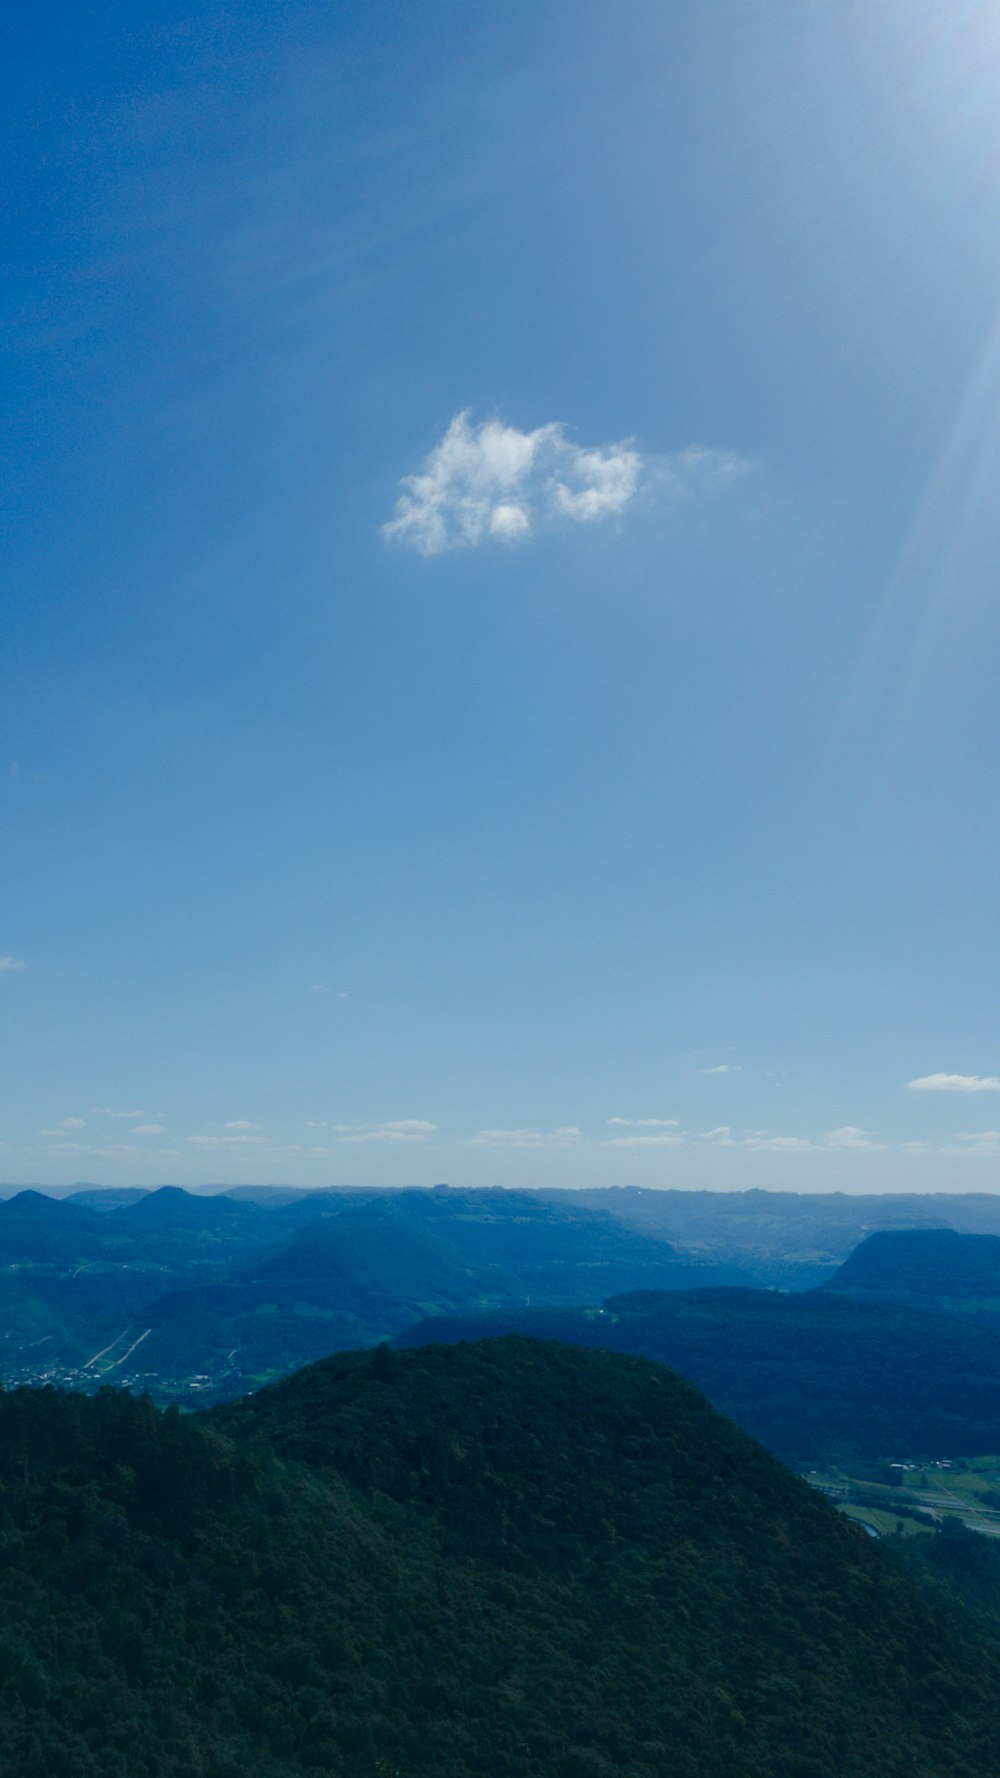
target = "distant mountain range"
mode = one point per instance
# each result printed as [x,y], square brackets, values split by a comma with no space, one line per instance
[171,1290]
[511,1557]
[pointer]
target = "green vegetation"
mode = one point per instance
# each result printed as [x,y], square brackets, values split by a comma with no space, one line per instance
[916,1497]
[172,1292]
[818,1376]
[510,1558]
[933,1267]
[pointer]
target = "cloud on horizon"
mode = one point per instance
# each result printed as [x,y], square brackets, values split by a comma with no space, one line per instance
[955,1083]
[563,1137]
[399,1129]
[487,482]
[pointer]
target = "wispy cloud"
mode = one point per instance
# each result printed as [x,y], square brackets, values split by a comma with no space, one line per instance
[644,1123]
[665,1139]
[485,481]
[398,1129]
[975,1142]
[761,1140]
[7,963]
[491,481]
[149,1129]
[564,1137]
[240,1123]
[108,1111]
[243,1140]
[724,1068]
[849,1136]
[955,1083]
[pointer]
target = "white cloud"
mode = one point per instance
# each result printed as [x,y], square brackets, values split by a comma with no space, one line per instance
[978,1142]
[399,1129]
[955,1083]
[149,1129]
[759,1139]
[8,963]
[241,1141]
[722,1134]
[666,1139]
[490,480]
[645,1123]
[724,1068]
[240,1123]
[563,1137]
[849,1136]
[72,1123]
[107,1111]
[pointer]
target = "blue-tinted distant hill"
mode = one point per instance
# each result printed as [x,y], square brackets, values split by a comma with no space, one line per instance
[932,1266]
[791,1240]
[353,1271]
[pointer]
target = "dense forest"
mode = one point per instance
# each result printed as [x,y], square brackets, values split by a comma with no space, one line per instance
[816,1375]
[509,1558]
[932,1267]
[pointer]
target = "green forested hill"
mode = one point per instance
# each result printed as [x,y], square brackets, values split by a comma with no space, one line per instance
[815,1375]
[503,1560]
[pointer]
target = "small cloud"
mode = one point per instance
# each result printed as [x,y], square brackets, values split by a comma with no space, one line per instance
[237,1141]
[107,1111]
[399,1129]
[240,1123]
[849,1136]
[955,1083]
[978,1142]
[318,988]
[8,963]
[149,1129]
[563,1137]
[723,1068]
[489,480]
[71,1123]
[722,1134]
[760,1140]
[645,1123]
[666,1139]
[313,1123]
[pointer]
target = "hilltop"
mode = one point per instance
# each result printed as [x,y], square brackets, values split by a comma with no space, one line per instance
[812,1375]
[930,1266]
[510,1557]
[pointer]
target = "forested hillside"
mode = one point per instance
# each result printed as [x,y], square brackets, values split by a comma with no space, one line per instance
[933,1267]
[815,1375]
[171,1291]
[508,1558]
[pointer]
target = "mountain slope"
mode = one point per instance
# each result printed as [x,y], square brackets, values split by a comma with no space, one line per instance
[509,1559]
[815,1375]
[933,1266]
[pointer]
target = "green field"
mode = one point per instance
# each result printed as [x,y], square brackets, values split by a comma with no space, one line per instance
[924,1496]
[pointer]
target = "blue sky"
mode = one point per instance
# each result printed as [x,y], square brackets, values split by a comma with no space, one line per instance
[500,619]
